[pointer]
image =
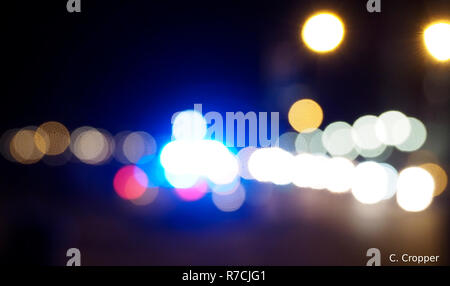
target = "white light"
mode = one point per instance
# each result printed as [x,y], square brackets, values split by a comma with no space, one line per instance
[392,128]
[309,171]
[89,145]
[206,158]
[189,125]
[339,174]
[181,181]
[370,182]
[416,138]
[223,169]
[337,139]
[415,188]
[271,165]
[363,133]
[323,32]
[392,180]
[437,40]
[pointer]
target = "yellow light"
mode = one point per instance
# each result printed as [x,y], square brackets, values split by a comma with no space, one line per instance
[22,147]
[52,138]
[437,40]
[439,176]
[305,115]
[323,32]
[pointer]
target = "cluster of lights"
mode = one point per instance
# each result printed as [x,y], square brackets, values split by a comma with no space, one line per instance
[310,158]
[307,158]
[53,143]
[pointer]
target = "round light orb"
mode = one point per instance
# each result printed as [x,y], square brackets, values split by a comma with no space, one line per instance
[437,40]
[392,128]
[323,32]
[370,182]
[415,187]
[305,115]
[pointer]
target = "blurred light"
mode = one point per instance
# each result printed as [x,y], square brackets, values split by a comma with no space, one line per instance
[414,189]
[130,182]
[286,141]
[226,188]
[310,142]
[305,115]
[23,148]
[147,197]
[371,153]
[207,158]
[5,144]
[309,171]
[338,174]
[193,193]
[323,32]
[303,175]
[392,180]
[416,138]
[181,181]
[363,133]
[90,145]
[392,128]
[271,165]
[52,138]
[370,182]
[439,176]
[189,125]
[243,157]
[229,202]
[337,139]
[137,145]
[437,40]
[223,168]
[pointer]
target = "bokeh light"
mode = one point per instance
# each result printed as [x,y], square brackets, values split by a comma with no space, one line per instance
[363,133]
[189,125]
[229,202]
[437,40]
[323,32]
[130,182]
[305,115]
[193,193]
[196,158]
[392,127]
[5,144]
[148,197]
[181,181]
[338,174]
[23,148]
[243,156]
[337,139]
[90,145]
[392,180]
[310,142]
[271,165]
[416,138]
[137,145]
[415,188]
[286,141]
[52,138]
[370,182]
[439,176]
